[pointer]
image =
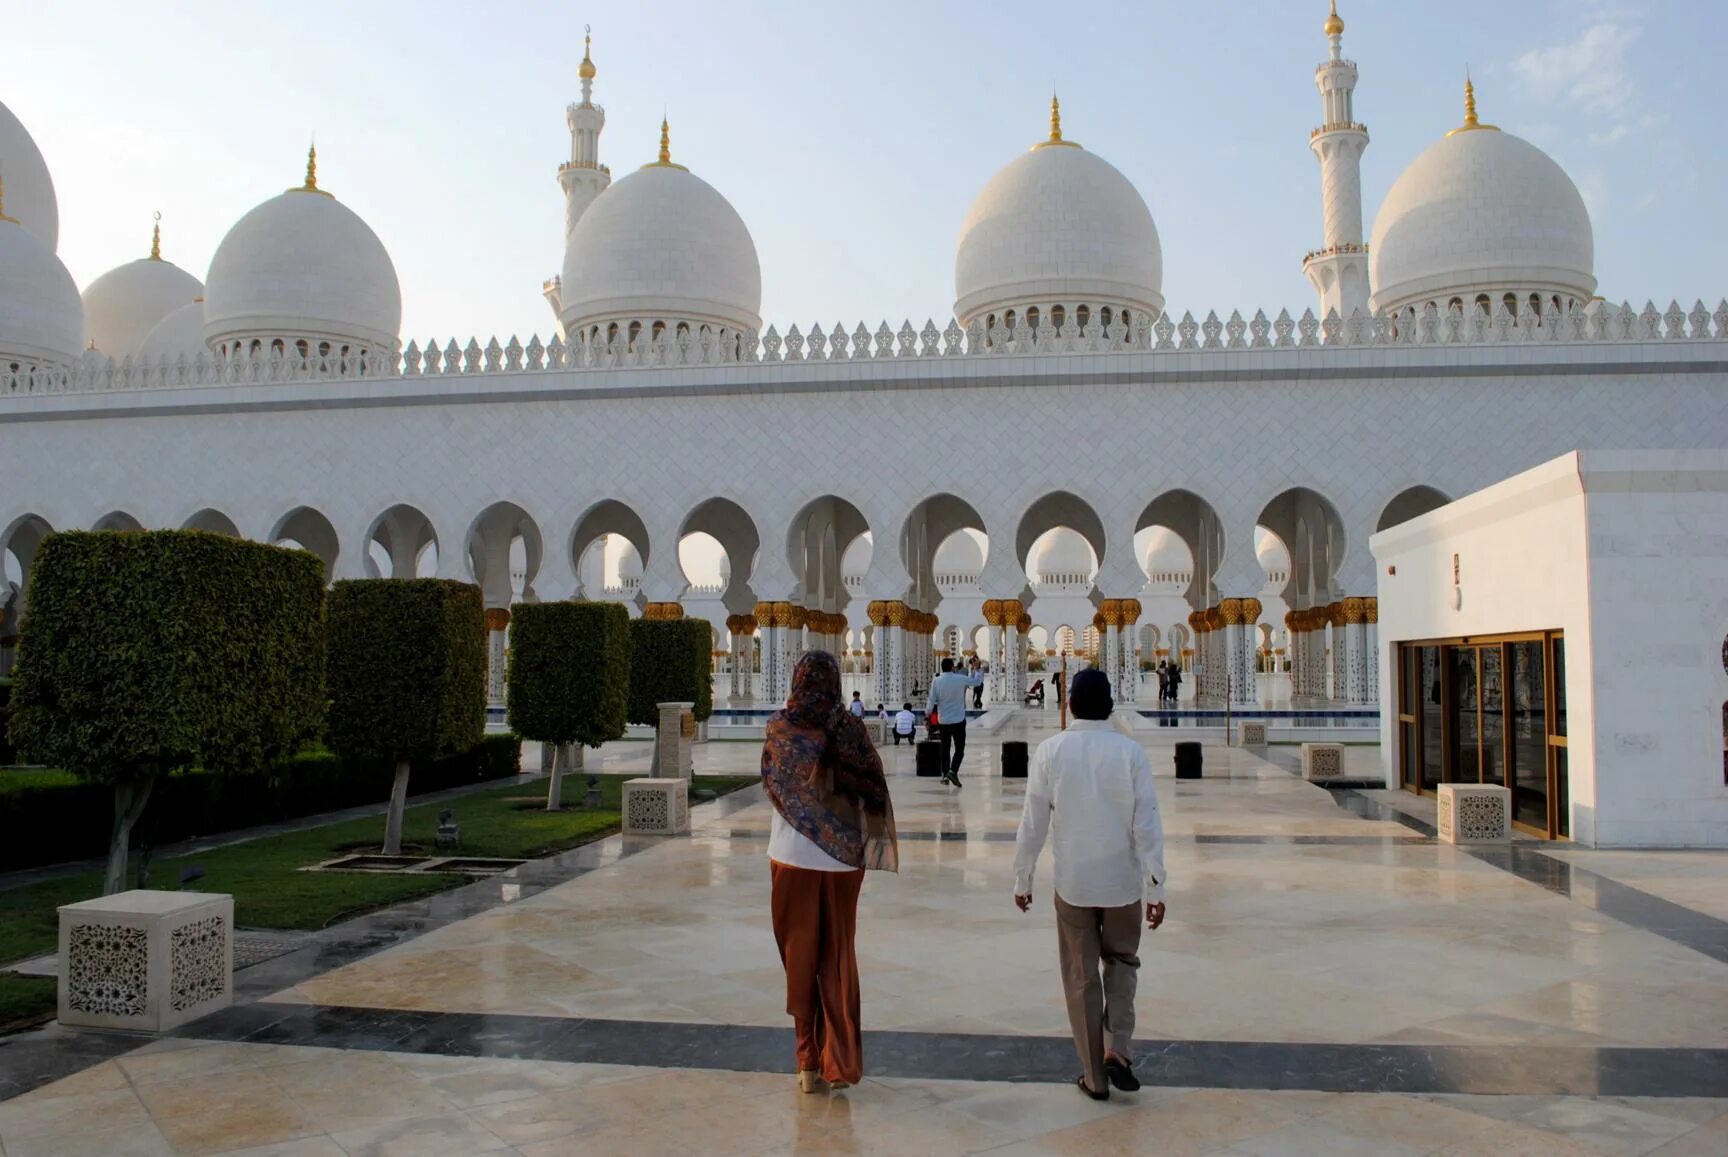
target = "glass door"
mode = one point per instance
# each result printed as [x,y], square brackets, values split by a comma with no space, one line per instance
[1528,724]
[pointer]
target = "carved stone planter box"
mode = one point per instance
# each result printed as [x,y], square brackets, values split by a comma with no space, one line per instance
[1475,813]
[147,961]
[1322,762]
[656,807]
[1251,734]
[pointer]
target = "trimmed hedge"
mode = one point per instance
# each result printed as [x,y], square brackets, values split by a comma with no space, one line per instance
[407,668]
[156,650]
[569,679]
[51,818]
[671,661]
[7,755]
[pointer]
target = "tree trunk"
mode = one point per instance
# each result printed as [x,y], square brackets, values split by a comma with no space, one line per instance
[398,802]
[555,782]
[130,797]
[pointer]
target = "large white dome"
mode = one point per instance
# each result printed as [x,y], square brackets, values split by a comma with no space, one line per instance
[181,332]
[29,190]
[41,315]
[123,305]
[661,245]
[1481,212]
[302,266]
[1058,226]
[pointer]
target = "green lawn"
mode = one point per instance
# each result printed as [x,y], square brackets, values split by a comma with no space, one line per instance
[270,891]
[17,779]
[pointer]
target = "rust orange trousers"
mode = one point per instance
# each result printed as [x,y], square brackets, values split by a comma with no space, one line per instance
[815,920]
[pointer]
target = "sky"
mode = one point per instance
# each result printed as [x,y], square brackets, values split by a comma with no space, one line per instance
[851,138]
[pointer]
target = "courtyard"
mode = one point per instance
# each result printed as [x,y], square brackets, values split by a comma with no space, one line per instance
[1330,980]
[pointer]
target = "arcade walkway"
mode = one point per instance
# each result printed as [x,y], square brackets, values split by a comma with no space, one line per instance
[1328,982]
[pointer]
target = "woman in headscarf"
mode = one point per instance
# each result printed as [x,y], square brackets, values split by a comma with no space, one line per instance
[832,820]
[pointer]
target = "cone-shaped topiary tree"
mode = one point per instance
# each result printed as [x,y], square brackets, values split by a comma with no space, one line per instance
[407,675]
[151,651]
[569,678]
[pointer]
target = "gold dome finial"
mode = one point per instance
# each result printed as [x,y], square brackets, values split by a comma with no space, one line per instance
[1055,126]
[156,238]
[1334,23]
[311,185]
[3,216]
[587,70]
[1471,123]
[665,158]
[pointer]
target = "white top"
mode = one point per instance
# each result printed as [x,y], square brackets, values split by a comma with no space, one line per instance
[905,723]
[1091,788]
[787,845]
[857,708]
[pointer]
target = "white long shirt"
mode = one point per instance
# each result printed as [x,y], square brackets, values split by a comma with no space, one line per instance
[1090,791]
[787,845]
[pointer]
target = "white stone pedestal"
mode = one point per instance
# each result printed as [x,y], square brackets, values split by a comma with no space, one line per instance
[672,740]
[147,961]
[656,807]
[1322,762]
[1251,734]
[1475,813]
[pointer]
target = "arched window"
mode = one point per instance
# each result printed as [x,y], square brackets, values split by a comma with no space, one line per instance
[1082,316]
[1058,315]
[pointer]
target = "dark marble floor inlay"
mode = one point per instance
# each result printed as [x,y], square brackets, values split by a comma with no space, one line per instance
[1339,1068]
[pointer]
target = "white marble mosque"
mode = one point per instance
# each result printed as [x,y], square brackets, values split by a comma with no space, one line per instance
[1459,341]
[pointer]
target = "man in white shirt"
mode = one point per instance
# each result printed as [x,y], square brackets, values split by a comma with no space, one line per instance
[905,726]
[1090,790]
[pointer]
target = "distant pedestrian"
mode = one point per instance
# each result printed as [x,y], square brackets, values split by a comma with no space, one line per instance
[856,707]
[948,706]
[1090,792]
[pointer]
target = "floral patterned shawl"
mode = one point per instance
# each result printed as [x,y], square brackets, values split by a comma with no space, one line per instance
[822,772]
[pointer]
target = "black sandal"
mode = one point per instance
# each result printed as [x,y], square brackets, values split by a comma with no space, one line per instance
[1080,1083]
[1121,1074]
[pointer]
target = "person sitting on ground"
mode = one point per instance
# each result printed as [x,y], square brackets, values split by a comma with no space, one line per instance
[905,726]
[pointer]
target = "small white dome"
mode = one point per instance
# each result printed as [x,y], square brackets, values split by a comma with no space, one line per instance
[29,190]
[1062,551]
[629,560]
[855,563]
[1166,552]
[181,332]
[662,244]
[302,265]
[1269,549]
[123,305]
[41,315]
[1481,212]
[1058,225]
[959,554]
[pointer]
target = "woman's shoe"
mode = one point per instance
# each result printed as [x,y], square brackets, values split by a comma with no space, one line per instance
[810,1081]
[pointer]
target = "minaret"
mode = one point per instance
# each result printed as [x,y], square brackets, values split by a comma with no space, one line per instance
[582,177]
[1339,268]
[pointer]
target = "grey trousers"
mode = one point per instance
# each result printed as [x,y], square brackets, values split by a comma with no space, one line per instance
[1100,1010]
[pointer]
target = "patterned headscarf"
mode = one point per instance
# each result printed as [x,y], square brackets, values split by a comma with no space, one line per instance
[822,772]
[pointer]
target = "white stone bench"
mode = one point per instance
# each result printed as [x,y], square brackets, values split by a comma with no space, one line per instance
[1251,734]
[1322,762]
[1474,813]
[146,961]
[656,807]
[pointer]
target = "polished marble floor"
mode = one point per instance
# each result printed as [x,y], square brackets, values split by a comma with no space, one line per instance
[1330,981]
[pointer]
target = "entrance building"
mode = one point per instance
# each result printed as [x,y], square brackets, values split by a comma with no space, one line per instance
[1564,634]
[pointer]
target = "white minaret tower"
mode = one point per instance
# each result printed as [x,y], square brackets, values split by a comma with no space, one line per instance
[1339,268]
[582,177]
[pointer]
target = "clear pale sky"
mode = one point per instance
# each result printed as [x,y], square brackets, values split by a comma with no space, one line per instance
[850,138]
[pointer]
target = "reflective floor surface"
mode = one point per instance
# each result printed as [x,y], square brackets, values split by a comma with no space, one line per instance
[1330,980]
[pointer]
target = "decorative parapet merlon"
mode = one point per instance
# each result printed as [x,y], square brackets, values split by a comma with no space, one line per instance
[647,344]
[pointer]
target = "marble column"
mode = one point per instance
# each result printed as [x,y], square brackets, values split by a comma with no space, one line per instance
[891,652]
[1371,647]
[1338,691]
[1239,616]
[879,688]
[1018,672]
[1355,632]
[995,654]
[1109,622]
[497,644]
[1129,655]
